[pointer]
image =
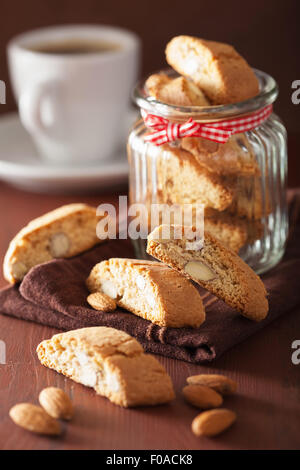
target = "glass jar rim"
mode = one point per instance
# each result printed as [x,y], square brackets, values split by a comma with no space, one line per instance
[267,95]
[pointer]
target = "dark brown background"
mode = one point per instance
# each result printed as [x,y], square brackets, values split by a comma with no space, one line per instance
[265,32]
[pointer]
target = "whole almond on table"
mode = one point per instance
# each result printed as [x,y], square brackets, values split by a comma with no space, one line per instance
[100,301]
[213,422]
[220,383]
[34,419]
[202,396]
[56,403]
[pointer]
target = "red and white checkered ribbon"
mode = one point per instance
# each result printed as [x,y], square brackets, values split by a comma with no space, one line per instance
[166,131]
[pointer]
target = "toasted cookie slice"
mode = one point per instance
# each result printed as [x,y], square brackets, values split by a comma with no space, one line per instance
[150,290]
[213,266]
[176,91]
[235,157]
[182,180]
[250,200]
[62,233]
[221,73]
[111,362]
[231,231]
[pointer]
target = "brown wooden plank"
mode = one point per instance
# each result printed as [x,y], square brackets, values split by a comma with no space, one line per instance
[267,402]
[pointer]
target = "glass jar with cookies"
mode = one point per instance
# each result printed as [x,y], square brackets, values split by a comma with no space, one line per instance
[208,136]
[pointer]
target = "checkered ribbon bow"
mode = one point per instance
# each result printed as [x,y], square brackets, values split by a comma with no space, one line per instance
[165,131]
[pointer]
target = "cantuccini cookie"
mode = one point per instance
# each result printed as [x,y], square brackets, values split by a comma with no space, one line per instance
[214,267]
[231,231]
[217,68]
[175,91]
[250,200]
[182,180]
[111,362]
[234,232]
[150,290]
[62,233]
[235,157]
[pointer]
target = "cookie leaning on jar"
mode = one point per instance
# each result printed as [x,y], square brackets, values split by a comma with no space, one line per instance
[214,267]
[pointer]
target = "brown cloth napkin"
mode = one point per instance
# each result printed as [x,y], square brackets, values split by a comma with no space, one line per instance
[54,294]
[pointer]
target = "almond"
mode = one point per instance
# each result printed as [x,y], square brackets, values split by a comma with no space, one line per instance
[200,271]
[34,418]
[56,403]
[19,270]
[109,288]
[220,383]
[202,397]
[100,301]
[59,245]
[213,422]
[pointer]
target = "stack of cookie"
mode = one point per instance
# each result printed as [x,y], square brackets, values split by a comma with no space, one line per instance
[225,178]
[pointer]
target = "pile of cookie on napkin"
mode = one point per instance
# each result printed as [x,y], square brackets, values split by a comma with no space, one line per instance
[55,294]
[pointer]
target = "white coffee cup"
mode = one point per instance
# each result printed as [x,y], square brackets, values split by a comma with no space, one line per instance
[73,104]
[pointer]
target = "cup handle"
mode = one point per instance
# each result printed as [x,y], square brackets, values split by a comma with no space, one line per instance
[30,108]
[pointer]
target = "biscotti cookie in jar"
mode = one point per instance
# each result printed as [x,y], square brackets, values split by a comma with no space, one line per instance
[208,137]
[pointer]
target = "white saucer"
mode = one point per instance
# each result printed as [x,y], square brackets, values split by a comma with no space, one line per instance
[21,165]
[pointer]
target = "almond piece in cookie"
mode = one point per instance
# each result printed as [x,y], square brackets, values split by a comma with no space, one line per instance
[217,68]
[62,233]
[150,290]
[175,91]
[111,362]
[216,268]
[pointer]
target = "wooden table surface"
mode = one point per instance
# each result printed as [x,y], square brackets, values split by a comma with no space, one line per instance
[267,403]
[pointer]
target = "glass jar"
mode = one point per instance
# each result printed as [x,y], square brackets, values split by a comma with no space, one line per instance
[241,184]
